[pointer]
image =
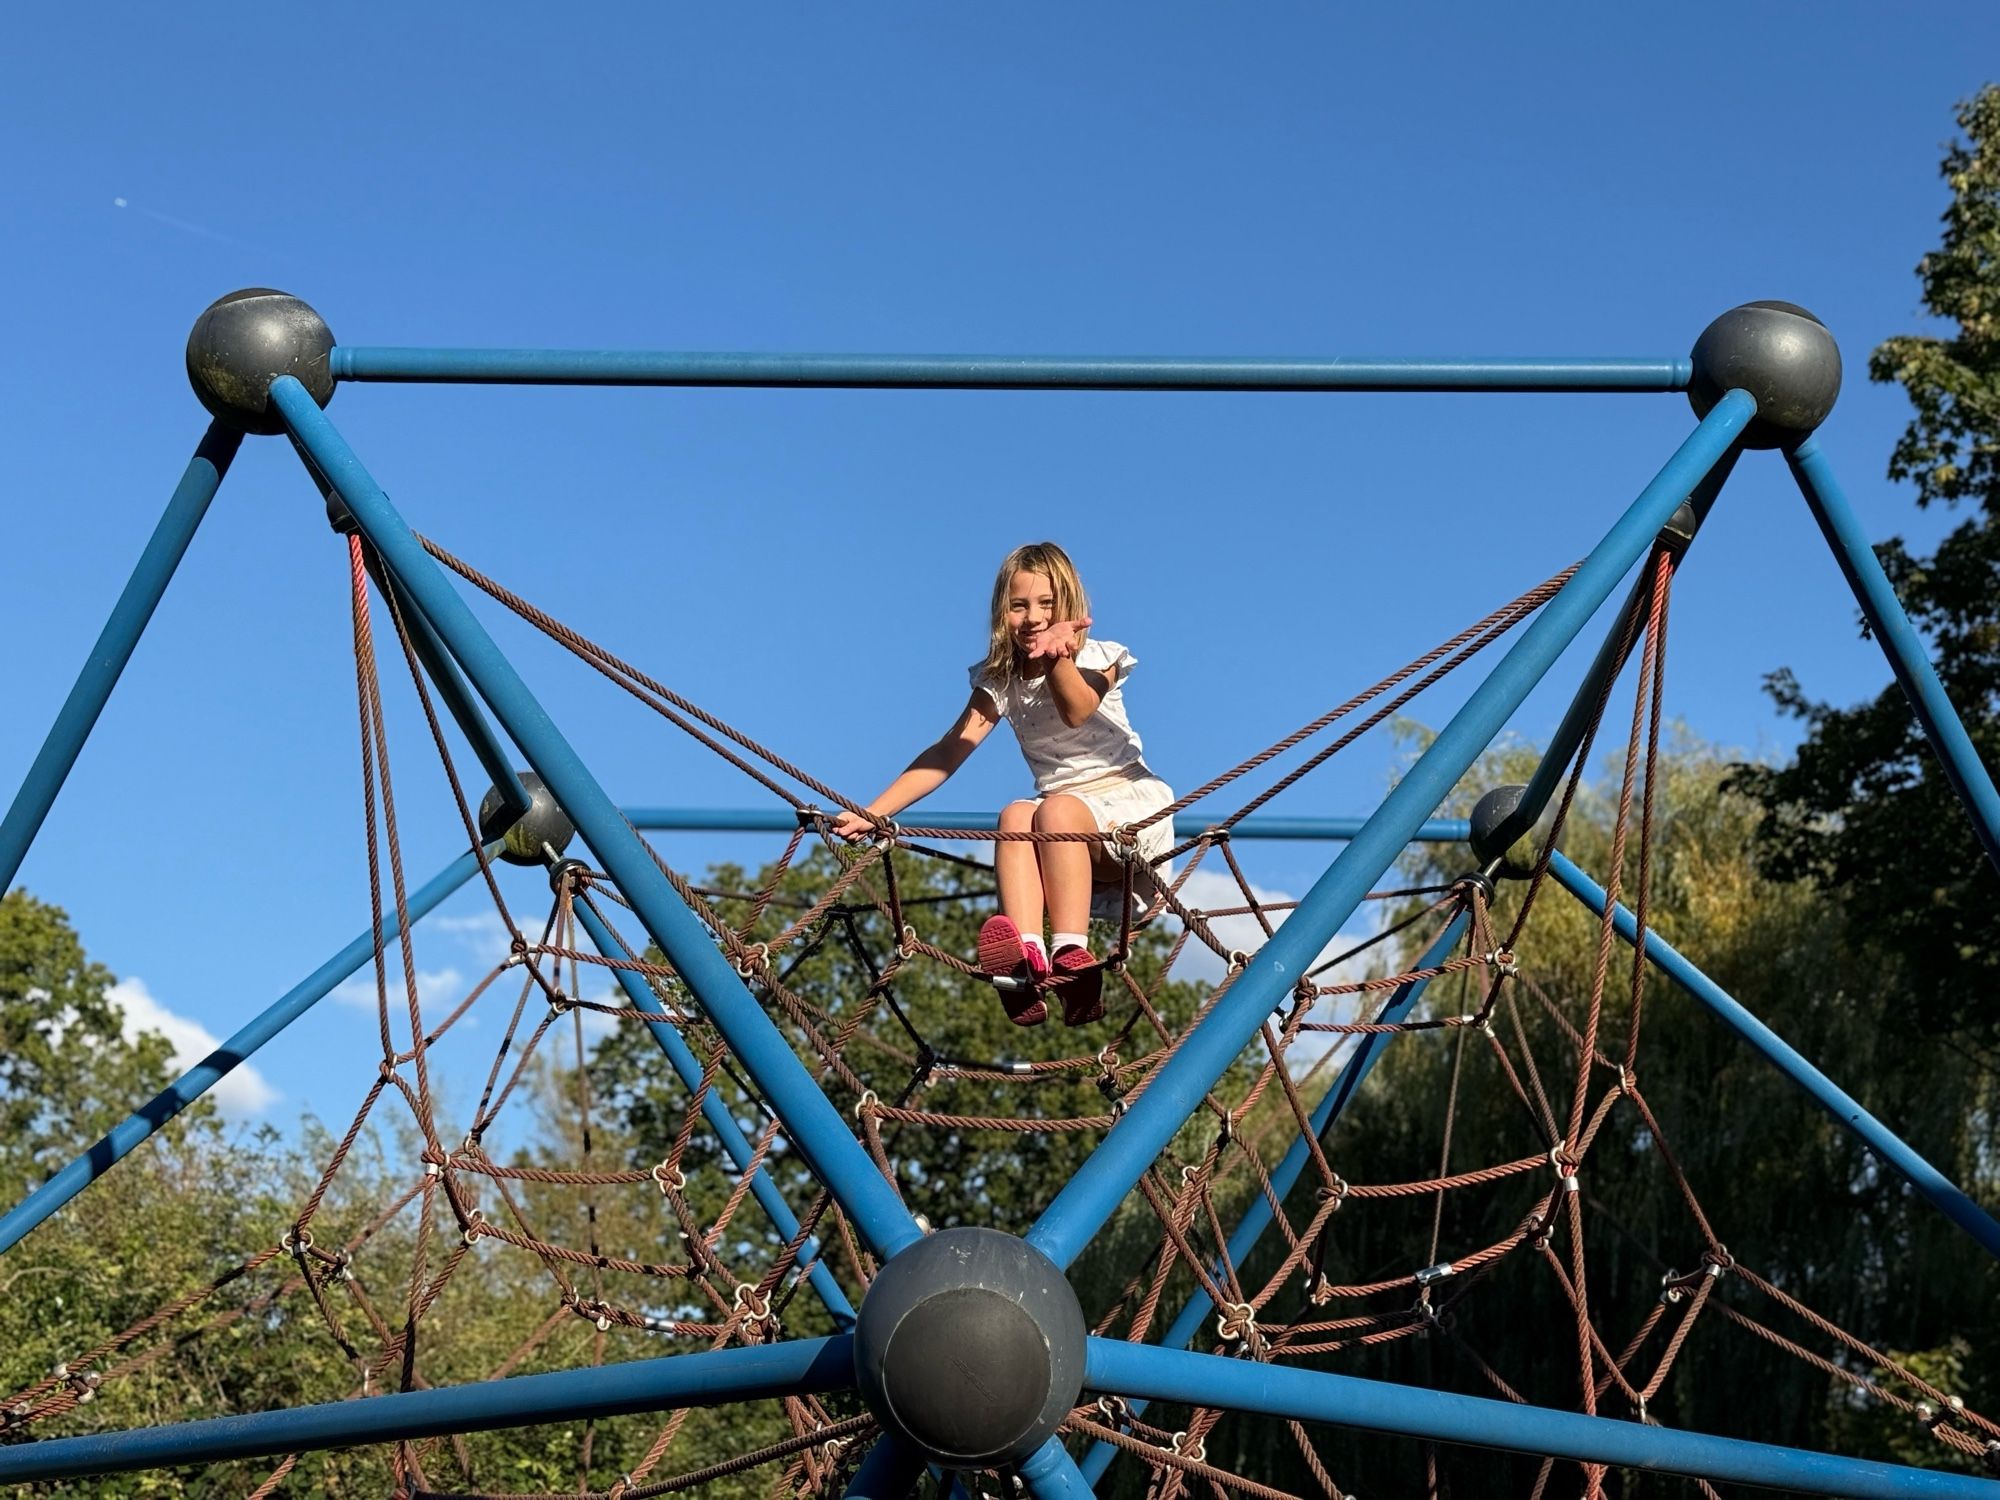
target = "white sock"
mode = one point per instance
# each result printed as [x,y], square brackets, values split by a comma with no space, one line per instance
[1064,940]
[1034,946]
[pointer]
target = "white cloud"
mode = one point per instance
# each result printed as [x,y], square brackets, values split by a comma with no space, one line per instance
[242,1092]
[1216,889]
[483,934]
[444,986]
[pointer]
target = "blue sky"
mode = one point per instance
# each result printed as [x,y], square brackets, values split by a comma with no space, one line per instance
[1283,179]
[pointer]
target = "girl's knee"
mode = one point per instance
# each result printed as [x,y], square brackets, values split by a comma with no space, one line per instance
[1017,817]
[1063,814]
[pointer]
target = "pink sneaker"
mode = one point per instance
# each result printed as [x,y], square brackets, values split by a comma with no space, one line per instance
[1079,979]
[1013,967]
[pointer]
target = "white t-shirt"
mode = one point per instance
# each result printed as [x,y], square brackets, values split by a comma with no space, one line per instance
[1104,744]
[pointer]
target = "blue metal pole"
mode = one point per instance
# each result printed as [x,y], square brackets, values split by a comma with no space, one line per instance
[765,1191]
[459,703]
[100,673]
[1604,669]
[1945,1195]
[889,1472]
[813,1124]
[204,1075]
[793,1368]
[1411,1411]
[783,820]
[1004,372]
[1900,642]
[1257,1216]
[1093,1194]
[1051,1474]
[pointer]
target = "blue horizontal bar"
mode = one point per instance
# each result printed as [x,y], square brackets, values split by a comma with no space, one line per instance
[1004,372]
[1944,1194]
[211,1070]
[782,820]
[1122,1369]
[795,1368]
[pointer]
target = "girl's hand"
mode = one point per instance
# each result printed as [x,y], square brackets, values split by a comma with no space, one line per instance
[1058,640]
[852,827]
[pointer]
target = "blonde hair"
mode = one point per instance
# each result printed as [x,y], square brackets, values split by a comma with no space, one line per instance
[1046,558]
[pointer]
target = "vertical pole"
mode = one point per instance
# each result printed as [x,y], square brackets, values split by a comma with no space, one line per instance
[1257,1216]
[814,1126]
[204,1075]
[114,646]
[1900,642]
[1094,1192]
[718,1116]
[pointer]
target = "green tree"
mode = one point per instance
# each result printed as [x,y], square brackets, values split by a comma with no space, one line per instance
[1793,1196]
[1864,808]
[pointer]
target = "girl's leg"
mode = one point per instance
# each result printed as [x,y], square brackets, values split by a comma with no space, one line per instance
[1018,874]
[1065,867]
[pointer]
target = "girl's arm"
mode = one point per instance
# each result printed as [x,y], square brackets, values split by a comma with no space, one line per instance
[929,771]
[1077,691]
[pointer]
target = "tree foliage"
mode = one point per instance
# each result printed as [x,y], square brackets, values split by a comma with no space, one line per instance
[1864,807]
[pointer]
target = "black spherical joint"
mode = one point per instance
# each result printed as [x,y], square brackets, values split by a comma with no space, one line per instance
[543,823]
[1779,353]
[970,1345]
[1517,859]
[246,340]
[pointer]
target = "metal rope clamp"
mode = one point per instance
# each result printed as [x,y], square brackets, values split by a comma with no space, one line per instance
[668,1179]
[1565,1167]
[906,943]
[1194,1452]
[754,960]
[866,1105]
[1504,964]
[1114,1410]
[753,1305]
[1236,1322]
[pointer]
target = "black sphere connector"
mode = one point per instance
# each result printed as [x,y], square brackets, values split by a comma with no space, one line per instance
[246,340]
[970,1345]
[543,823]
[1779,353]
[1516,860]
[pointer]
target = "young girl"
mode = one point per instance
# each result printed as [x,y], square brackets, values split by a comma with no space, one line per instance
[1064,694]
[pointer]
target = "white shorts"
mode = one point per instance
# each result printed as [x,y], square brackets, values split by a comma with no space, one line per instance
[1115,801]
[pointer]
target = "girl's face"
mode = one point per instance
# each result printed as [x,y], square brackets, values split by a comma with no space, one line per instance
[1031,607]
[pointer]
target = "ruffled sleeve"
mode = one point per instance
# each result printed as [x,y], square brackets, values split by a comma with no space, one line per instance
[1102,655]
[996,692]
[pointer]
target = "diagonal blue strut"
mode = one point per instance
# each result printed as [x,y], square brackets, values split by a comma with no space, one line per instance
[1944,1194]
[211,1070]
[814,1126]
[1900,642]
[115,644]
[1091,1196]
[716,1112]
[1257,1216]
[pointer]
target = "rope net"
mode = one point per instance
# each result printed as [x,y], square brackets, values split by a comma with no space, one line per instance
[835,942]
